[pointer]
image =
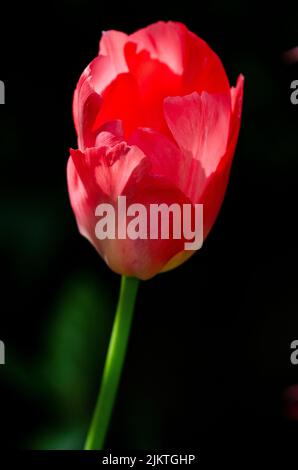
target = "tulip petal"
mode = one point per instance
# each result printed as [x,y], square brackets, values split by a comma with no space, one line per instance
[112,45]
[106,170]
[165,157]
[99,175]
[87,187]
[200,125]
[112,131]
[81,202]
[163,60]
[86,103]
[163,42]
[186,55]
[144,258]
[215,189]
[202,68]
[87,98]
[120,101]
[237,101]
[154,81]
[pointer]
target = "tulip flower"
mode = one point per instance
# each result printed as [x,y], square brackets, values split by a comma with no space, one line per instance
[157,123]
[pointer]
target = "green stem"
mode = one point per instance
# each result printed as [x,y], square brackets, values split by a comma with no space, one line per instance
[113,365]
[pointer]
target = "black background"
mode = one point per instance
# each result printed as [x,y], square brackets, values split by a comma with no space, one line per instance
[209,356]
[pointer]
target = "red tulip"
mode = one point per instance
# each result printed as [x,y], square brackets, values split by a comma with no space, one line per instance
[157,122]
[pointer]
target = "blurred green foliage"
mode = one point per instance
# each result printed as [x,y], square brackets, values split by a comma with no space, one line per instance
[68,370]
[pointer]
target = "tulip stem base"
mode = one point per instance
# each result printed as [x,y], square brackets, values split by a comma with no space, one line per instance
[113,364]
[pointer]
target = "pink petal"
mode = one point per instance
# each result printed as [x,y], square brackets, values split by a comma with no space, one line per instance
[200,126]
[167,160]
[203,69]
[215,186]
[112,45]
[163,42]
[154,81]
[185,54]
[105,171]
[88,188]
[214,192]
[237,100]
[165,157]
[144,258]
[87,100]
[81,202]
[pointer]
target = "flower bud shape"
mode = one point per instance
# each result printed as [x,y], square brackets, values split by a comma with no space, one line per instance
[157,123]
